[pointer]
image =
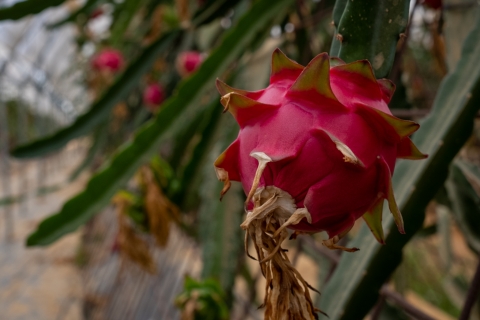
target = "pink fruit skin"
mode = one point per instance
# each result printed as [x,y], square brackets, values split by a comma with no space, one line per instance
[108,60]
[188,62]
[153,96]
[296,126]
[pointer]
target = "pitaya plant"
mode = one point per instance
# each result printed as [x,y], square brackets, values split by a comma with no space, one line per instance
[315,152]
[374,34]
[108,60]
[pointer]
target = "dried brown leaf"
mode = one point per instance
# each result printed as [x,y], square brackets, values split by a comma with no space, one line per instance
[159,208]
[132,246]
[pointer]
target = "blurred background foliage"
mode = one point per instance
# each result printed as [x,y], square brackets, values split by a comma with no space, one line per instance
[149,125]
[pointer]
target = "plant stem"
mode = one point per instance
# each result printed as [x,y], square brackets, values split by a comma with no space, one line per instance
[472,295]
[377,310]
[400,301]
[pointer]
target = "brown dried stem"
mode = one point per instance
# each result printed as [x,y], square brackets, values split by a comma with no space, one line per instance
[287,294]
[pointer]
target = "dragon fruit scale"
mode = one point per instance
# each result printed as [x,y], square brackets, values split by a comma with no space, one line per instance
[322,139]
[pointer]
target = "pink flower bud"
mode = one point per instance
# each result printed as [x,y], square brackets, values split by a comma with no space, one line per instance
[153,96]
[188,62]
[108,60]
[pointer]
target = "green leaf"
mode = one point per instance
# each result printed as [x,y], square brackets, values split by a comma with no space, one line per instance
[465,201]
[212,10]
[103,185]
[353,289]
[99,139]
[162,171]
[123,16]
[24,8]
[369,31]
[102,107]
[207,298]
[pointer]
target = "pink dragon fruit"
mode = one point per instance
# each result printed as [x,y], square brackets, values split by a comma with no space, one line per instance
[153,96]
[188,62]
[108,60]
[316,151]
[323,137]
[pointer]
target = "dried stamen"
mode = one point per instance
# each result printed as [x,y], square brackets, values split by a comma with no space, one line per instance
[348,155]
[296,217]
[263,159]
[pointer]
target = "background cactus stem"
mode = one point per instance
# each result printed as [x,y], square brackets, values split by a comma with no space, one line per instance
[472,295]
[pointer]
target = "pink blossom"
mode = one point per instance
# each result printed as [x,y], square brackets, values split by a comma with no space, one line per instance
[108,60]
[153,96]
[188,62]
